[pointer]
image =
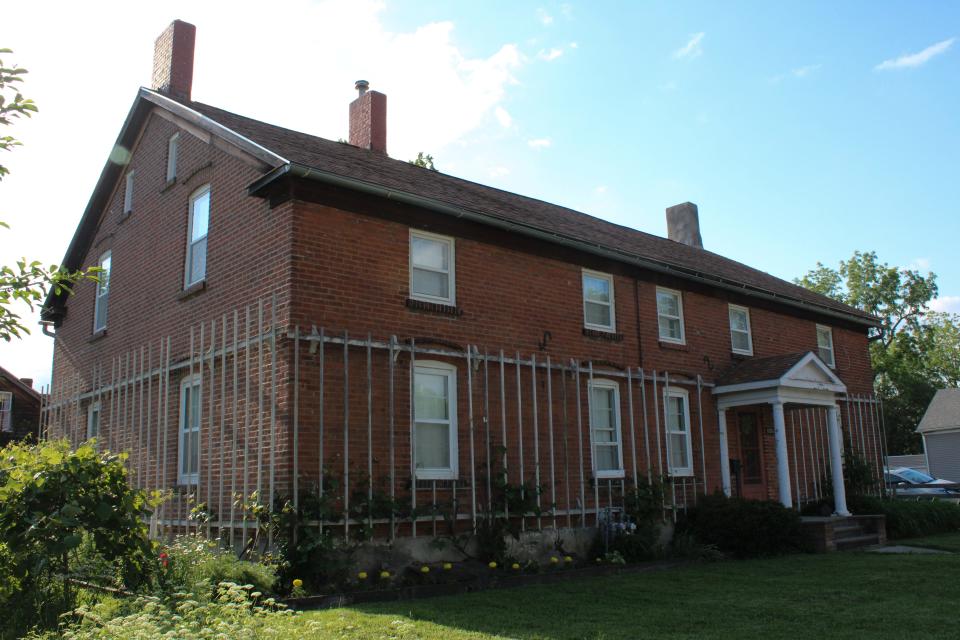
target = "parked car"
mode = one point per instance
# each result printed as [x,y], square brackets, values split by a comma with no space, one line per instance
[912,484]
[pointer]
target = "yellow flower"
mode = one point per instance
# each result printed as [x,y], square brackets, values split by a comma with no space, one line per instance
[567,559]
[492,565]
[515,566]
[447,566]
[362,575]
[424,569]
[384,574]
[297,583]
[554,559]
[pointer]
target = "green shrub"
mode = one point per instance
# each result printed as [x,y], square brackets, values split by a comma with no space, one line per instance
[193,563]
[744,528]
[909,519]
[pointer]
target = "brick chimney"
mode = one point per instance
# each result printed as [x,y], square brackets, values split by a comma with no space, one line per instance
[683,224]
[173,60]
[27,381]
[368,119]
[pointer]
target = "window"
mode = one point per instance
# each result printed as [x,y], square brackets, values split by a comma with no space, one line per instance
[605,429]
[435,421]
[740,338]
[197,236]
[172,145]
[188,462]
[128,194]
[679,444]
[103,294]
[825,345]
[432,268]
[670,315]
[6,411]
[598,309]
[93,420]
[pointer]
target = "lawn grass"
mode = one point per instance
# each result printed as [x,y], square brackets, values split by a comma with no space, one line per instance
[944,542]
[840,595]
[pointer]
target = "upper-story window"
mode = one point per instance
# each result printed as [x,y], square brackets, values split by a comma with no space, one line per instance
[598,305]
[432,268]
[670,315]
[128,193]
[172,146]
[741,339]
[93,420]
[679,440]
[825,345]
[435,420]
[6,411]
[103,293]
[605,429]
[196,269]
[188,460]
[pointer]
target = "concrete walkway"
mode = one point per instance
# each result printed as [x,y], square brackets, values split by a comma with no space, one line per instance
[902,548]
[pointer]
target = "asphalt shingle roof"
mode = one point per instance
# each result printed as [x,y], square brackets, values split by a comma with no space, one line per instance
[943,412]
[759,369]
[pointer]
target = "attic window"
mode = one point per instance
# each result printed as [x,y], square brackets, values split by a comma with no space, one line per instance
[103,293]
[432,268]
[172,146]
[6,410]
[825,345]
[196,268]
[128,194]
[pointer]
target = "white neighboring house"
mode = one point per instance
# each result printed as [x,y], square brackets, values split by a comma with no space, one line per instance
[940,429]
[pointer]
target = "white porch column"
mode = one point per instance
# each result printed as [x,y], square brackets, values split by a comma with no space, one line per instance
[724,452]
[783,465]
[836,462]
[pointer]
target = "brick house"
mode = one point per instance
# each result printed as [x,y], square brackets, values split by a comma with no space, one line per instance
[304,317]
[19,408]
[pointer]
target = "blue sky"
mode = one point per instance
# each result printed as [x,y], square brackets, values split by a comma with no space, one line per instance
[803,132]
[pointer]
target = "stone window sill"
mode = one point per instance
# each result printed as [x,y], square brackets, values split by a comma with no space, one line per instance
[433,307]
[673,346]
[607,336]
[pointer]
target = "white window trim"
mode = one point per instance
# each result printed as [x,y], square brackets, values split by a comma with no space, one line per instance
[683,333]
[451,298]
[606,384]
[436,367]
[128,193]
[749,350]
[612,328]
[188,478]
[684,395]
[173,148]
[187,281]
[98,294]
[832,363]
[6,415]
[91,408]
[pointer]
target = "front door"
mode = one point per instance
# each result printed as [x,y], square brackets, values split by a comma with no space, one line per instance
[751,455]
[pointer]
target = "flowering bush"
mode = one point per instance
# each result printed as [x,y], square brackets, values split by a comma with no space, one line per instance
[193,563]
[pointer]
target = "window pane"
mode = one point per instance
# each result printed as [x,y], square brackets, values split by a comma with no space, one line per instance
[738,320]
[677,419]
[104,275]
[191,457]
[606,458]
[430,397]
[603,408]
[826,355]
[172,157]
[668,304]
[101,319]
[824,338]
[195,407]
[741,341]
[198,261]
[596,289]
[201,215]
[678,451]
[669,328]
[432,446]
[433,254]
[431,283]
[598,314]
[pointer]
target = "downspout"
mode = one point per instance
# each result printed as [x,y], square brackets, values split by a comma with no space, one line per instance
[45,327]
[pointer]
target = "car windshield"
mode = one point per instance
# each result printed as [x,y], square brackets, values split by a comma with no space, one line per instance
[914,476]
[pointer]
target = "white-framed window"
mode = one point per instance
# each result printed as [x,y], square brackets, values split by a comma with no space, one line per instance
[172,146]
[605,433]
[741,338]
[196,269]
[432,272]
[188,458]
[679,440]
[435,420]
[93,420]
[599,311]
[128,193]
[6,411]
[825,345]
[103,293]
[670,315]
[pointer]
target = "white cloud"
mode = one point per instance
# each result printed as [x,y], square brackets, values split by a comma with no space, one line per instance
[574,45]
[946,304]
[910,60]
[550,55]
[498,172]
[503,117]
[539,143]
[600,189]
[803,72]
[545,18]
[692,49]
[920,264]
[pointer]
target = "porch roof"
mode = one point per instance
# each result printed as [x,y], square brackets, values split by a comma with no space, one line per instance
[801,378]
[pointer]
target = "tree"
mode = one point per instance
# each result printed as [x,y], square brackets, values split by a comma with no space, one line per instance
[27,282]
[915,351]
[424,160]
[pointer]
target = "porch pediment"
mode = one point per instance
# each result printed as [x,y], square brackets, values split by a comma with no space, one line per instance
[801,378]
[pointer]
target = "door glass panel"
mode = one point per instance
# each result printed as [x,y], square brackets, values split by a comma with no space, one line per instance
[750,448]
